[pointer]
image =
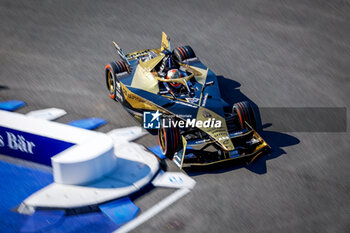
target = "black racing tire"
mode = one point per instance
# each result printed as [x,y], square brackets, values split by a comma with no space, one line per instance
[169,140]
[183,53]
[112,82]
[245,114]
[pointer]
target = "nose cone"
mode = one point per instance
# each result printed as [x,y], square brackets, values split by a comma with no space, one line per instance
[215,126]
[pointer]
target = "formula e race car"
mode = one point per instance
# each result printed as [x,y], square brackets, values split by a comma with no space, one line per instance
[177,97]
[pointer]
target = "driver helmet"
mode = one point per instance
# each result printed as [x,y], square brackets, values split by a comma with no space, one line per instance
[174,74]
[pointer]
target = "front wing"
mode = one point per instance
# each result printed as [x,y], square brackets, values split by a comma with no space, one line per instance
[192,153]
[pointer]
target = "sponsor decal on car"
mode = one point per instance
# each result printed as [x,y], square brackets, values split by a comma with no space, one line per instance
[186,104]
[202,141]
[205,100]
[134,55]
[192,100]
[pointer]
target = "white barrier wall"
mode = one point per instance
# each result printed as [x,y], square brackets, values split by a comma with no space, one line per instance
[69,148]
[85,162]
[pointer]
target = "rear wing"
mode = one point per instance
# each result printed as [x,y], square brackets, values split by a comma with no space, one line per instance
[122,56]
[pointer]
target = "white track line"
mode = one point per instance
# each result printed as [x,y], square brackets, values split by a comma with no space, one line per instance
[153,211]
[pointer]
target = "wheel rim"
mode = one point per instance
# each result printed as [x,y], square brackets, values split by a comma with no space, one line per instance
[110,81]
[161,140]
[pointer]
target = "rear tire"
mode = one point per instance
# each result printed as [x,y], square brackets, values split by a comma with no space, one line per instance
[113,84]
[245,114]
[183,53]
[169,140]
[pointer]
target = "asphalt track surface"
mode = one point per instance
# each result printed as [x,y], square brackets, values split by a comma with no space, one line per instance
[280,54]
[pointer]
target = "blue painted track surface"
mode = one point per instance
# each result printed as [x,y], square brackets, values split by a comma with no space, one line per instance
[17,183]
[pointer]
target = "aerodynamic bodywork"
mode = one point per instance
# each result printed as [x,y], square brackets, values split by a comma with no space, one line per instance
[197,127]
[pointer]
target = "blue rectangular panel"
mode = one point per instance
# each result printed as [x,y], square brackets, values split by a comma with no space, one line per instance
[88,123]
[120,211]
[11,105]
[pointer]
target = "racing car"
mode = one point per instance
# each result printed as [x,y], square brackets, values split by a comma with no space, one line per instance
[175,96]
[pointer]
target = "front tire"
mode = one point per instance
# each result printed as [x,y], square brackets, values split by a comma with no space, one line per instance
[112,81]
[169,140]
[245,114]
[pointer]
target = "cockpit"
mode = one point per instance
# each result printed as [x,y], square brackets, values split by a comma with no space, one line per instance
[159,64]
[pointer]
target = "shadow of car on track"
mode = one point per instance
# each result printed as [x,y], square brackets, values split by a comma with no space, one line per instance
[276,140]
[231,93]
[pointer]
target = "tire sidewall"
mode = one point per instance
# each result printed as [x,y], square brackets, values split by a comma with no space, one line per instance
[110,71]
[245,112]
[171,141]
[117,93]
